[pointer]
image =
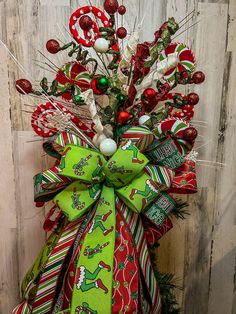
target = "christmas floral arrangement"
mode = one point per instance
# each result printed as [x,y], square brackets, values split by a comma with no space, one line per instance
[122,141]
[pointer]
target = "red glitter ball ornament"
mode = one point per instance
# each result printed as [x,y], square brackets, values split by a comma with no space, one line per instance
[53,46]
[190,134]
[123,117]
[121,32]
[111,6]
[85,23]
[122,10]
[198,77]
[24,86]
[193,99]
[149,94]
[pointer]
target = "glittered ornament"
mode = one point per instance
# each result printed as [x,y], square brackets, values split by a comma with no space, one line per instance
[193,99]
[121,100]
[149,94]
[123,117]
[121,32]
[101,45]
[190,134]
[122,10]
[85,23]
[108,147]
[24,86]
[79,99]
[103,83]
[149,98]
[198,77]
[53,46]
[111,6]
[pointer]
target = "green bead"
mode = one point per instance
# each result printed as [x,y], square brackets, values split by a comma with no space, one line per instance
[103,83]
[78,98]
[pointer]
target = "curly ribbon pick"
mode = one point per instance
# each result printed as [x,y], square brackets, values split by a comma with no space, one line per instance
[98,127]
[128,176]
[127,55]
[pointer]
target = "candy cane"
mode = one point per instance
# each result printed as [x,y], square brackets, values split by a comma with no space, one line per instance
[185,56]
[88,41]
[176,128]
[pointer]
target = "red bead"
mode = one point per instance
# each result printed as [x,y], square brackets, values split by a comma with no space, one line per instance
[193,99]
[94,87]
[190,134]
[123,117]
[122,10]
[121,32]
[85,23]
[198,77]
[111,6]
[53,46]
[39,204]
[24,86]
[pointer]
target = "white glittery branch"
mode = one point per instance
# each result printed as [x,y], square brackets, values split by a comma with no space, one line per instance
[192,156]
[161,68]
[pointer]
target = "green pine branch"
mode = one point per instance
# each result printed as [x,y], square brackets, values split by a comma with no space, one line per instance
[180,211]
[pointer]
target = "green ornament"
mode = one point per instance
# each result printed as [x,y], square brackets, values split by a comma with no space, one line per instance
[79,98]
[121,99]
[103,83]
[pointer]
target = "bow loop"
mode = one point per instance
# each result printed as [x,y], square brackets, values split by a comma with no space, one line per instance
[127,163]
[82,164]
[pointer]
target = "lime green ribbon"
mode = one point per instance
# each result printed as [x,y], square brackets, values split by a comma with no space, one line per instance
[90,172]
[97,181]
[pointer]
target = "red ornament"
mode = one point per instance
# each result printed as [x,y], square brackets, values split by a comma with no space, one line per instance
[150,99]
[190,134]
[122,10]
[85,23]
[149,94]
[53,46]
[111,6]
[24,86]
[198,77]
[121,32]
[193,99]
[123,117]
[94,86]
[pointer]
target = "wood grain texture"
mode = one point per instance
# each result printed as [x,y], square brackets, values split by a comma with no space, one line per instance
[201,250]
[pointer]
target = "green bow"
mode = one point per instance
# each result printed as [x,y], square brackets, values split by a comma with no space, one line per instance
[124,173]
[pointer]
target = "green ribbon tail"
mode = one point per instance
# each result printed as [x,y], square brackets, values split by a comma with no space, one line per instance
[92,289]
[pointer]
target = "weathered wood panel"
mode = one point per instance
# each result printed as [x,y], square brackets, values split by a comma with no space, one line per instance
[201,250]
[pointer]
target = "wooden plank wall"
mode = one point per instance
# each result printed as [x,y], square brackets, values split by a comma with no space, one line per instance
[201,250]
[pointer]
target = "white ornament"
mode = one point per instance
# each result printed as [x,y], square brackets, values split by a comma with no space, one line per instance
[101,45]
[108,147]
[143,119]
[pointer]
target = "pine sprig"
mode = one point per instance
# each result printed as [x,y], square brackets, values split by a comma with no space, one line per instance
[179,210]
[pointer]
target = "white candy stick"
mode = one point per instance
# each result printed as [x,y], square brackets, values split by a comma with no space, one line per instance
[90,102]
